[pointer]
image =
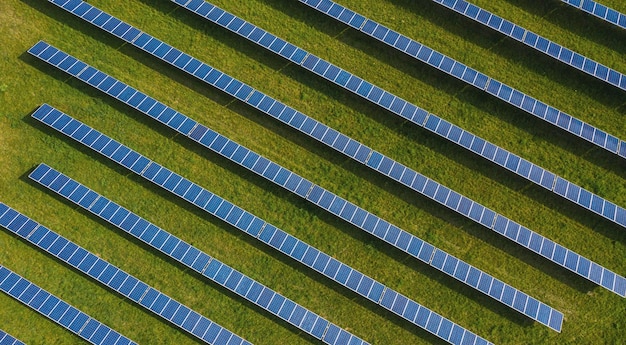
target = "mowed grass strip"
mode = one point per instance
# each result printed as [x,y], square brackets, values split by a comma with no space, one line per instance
[30,83]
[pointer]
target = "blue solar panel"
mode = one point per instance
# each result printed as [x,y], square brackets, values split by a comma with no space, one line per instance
[475,78]
[302,252]
[468,141]
[540,43]
[96,267]
[607,14]
[7,339]
[318,195]
[257,92]
[535,169]
[53,308]
[504,92]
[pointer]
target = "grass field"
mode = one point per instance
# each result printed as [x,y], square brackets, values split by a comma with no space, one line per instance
[592,314]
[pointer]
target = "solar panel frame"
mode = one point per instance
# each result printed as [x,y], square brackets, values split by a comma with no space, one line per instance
[310,197]
[598,10]
[92,265]
[312,62]
[428,56]
[545,183]
[52,307]
[355,287]
[539,43]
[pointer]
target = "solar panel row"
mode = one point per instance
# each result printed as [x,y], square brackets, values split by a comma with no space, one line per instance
[7,339]
[193,258]
[498,155]
[55,309]
[601,11]
[343,144]
[537,42]
[106,274]
[256,227]
[323,198]
[425,186]
[465,73]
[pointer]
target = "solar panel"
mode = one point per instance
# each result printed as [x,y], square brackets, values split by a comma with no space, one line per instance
[540,43]
[469,141]
[7,339]
[252,225]
[107,274]
[601,11]
[277,174]
[415,181]
[348,147]
[484,82]
[194,258]
[54,308]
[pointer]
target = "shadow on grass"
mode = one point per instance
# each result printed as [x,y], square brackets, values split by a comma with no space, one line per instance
[62,16]
[71,268]
[577,22]
[438,211]
[382,247]
[478,99]
[167,258]
[475,97]
[470,95]
[224,226]
[90,30]
[305,142]
[517,52]
[125,300]
[492,171]
[161,131]
[529,124]
[481,233]
[511,50]
[277,255]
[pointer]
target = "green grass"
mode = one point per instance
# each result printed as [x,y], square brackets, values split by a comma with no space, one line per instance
[592,314]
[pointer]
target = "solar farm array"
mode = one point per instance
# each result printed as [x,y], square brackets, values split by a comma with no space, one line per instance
[588,310]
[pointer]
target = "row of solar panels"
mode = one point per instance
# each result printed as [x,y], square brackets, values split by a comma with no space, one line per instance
[7,339]
[266,233]
[277,174]
[603,12]
[537,42]
[472,77]
[55,309]
[502,157]
[363,154]
[192,257]
[224,83]
[109,275]
[350,82]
